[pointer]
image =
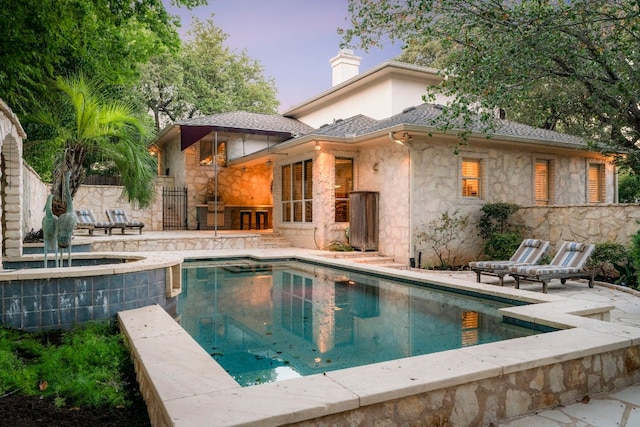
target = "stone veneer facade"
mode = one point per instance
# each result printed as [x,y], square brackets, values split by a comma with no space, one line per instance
[484,402]
[11,181]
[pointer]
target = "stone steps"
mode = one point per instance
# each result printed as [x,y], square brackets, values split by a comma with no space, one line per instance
[272,241]
[369,258]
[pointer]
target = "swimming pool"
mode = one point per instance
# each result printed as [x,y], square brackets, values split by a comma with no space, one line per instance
[265,322]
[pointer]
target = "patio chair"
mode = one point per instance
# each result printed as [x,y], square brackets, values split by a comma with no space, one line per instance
[569,263]
[87,221]
[120,220]
[529,252]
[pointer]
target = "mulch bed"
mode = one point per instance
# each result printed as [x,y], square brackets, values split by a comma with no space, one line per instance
[27,411]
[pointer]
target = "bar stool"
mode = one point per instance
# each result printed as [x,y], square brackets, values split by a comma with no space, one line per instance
[262,220]
[243,214]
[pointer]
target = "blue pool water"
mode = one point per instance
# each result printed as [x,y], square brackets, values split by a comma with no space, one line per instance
[268,322]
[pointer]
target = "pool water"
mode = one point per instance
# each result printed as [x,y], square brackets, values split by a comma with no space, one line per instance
[269,322]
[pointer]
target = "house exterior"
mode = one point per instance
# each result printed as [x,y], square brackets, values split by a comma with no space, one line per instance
[373,133]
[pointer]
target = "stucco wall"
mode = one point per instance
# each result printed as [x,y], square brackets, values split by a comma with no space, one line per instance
[35,194]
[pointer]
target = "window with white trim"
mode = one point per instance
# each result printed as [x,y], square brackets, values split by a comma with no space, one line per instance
[471,178]
[297,192]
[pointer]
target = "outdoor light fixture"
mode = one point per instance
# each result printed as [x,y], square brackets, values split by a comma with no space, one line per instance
[318,148]
[401,138]
[269,163]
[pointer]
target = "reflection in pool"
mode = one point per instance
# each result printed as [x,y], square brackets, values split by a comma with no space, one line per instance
[269,322]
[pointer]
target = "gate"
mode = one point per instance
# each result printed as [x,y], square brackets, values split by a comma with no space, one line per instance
[174,208]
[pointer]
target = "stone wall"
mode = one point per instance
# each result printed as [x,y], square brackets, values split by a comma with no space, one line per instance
[11,181]
[485,402]
[584,223]
[507,175]
[99,198]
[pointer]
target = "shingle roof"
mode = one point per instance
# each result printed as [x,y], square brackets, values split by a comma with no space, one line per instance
[427,114]
[242,120]
[346,127]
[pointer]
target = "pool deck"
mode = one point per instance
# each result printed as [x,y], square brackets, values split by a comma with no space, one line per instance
[193,387]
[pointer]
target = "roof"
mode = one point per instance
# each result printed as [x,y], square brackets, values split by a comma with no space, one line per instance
[240,122]
[427,114]
[251,122]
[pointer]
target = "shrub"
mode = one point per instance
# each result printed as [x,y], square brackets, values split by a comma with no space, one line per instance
[502,245]
[501,237]
[614,264]
[495,218]
[441,234]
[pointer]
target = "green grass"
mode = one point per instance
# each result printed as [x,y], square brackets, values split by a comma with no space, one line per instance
[88,366]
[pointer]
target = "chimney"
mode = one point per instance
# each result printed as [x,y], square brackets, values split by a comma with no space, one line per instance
[344,66]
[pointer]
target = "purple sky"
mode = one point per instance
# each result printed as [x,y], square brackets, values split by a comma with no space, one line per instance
[292,39]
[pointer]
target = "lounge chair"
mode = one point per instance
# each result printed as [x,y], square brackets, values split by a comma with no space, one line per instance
[569,263]
[120,220]
[87,221]
[529,252]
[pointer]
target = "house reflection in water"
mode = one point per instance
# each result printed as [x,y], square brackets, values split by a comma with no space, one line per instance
[268,322]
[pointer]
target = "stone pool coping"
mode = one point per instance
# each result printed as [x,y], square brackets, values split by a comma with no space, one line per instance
[134,262]
[184,386]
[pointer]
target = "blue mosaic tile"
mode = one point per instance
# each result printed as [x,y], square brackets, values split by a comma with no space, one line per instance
[84,314]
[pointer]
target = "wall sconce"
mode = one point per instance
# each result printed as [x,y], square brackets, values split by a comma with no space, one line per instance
[269,163]
[317,147]
[400,138]
[375,166]
[244,169]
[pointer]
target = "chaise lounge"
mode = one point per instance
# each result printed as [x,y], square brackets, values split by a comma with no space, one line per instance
[569,263]
[120,220]
[529,252]
[87,221]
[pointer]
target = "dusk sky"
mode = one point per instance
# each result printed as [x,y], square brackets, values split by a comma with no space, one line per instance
[292,39]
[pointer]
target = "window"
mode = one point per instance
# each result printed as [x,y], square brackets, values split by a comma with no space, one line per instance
[344,185]
[297,192]
[206,153]
[542,182]
[471,177]
[595,185]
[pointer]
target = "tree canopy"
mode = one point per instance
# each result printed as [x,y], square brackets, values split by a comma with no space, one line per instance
[105,39]
[205,77]
[568,66]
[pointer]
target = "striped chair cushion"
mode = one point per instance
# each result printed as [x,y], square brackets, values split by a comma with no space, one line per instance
[85,216]
[539,270]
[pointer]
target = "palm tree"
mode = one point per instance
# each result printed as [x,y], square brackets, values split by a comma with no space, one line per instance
[83,121]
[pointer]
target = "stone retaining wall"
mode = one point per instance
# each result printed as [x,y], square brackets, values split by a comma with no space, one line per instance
[584,223]
[482,403]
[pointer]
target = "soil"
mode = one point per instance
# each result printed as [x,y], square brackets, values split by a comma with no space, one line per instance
[19,410]
[28,411]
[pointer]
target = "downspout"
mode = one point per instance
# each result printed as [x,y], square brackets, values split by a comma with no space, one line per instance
[615,185]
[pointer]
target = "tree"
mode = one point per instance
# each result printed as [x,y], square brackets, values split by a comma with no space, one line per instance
[205,77]
[106,39]
[81,121]
[569,66]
